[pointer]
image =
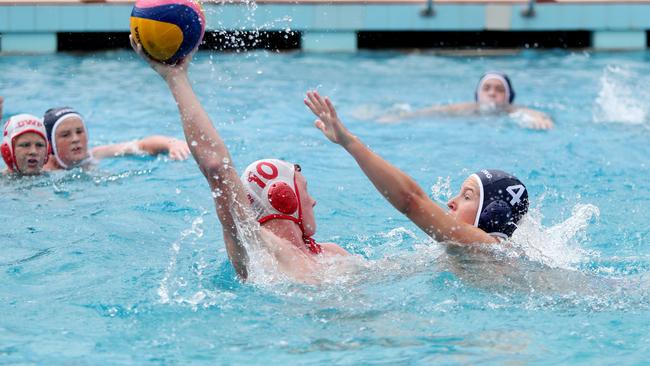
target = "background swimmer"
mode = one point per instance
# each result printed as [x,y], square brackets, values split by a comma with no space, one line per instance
[66,131]
[269,206]
[486,210]
[494,94]
[24,146]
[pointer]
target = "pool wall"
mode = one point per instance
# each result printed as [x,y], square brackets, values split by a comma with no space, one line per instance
[335,26]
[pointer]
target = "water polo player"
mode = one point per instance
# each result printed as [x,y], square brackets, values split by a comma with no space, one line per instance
[268,206]
[24,145]
[486,210]
[494,94]
[66,131]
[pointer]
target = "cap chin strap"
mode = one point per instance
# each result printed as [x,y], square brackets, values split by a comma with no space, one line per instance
[310,243]
[55,151]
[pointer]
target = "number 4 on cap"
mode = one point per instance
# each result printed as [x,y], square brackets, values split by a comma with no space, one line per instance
[516,192]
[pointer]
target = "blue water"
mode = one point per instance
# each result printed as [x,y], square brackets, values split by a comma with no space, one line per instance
[125,263]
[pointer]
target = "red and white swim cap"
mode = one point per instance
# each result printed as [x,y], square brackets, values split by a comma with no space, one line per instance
[271,188]
[14,127]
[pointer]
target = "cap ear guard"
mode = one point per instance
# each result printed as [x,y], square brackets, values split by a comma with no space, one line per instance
[282,198]
[7,156]
[496,219]
[512,90]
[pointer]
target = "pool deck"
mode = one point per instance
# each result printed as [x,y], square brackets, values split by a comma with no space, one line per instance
[32,26]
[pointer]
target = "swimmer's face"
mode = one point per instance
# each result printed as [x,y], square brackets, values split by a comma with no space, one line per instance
[464,206]
[492,92]
[307,204]
[71,141]
[30,150]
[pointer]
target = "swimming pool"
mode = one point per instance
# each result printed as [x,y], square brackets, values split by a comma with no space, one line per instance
[125,264]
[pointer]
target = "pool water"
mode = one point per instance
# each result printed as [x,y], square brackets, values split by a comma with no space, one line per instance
[125,263]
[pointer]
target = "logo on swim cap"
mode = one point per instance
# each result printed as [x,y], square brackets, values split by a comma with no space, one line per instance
[503,202]
[14,127]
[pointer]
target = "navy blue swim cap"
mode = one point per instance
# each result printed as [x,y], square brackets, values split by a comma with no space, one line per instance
[54,116]
[504,201]
[52,119]
[510,91]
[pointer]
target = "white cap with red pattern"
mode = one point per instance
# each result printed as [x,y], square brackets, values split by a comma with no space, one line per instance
[271,188]
[14,127]
[273,192]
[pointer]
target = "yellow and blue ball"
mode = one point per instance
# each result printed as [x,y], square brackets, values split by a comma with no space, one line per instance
[168,30]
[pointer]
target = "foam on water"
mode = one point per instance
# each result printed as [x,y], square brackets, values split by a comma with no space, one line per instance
[622,97]
[558,246]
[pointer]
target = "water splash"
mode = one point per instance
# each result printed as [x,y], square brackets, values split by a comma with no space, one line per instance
[618,100]
[368,112]
[523,118]
[187,289]
[441,191]
[558,246]
[246,32]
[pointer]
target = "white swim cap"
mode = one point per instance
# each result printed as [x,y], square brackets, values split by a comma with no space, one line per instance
[503,78]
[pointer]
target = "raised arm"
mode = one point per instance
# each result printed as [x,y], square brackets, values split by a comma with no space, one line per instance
[152,145]
[451,109]
[397,187]
[212,156]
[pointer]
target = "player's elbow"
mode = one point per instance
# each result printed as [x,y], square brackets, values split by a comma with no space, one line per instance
[411,200]
[214,170]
